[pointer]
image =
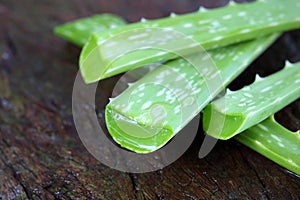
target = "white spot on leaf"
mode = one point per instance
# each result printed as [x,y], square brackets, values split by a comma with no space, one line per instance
[266,89]
[251,108]
[161,92]
[235,57]
[218,38]
[242,104]
[248,95]
[276,137]
[188,25]
[212,30]
[80,27]
[134,37]
[216,23]
[242,14]
[257,142]
[273,24]
[226,16]
[245,31]
[280,144]
[146,105]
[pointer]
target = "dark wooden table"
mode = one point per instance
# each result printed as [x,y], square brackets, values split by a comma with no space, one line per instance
[41,155]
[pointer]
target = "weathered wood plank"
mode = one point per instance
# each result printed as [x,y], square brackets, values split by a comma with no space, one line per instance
[41,156]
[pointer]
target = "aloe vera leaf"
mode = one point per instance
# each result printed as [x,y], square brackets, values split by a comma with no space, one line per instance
[213,28]
[277,143]
[252,104]
[149,113]
[79,31]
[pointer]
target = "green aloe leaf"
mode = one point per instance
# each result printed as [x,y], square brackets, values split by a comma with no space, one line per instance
[252,104]
[103,57]
[80,30]
[277,143]
[155,108]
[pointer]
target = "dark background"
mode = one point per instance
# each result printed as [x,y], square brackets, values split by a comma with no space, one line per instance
[41,155]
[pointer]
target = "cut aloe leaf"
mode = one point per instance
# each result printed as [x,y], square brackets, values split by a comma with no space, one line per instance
[79,31]
[252,104]
[155,108]
[103,55]
[277,143]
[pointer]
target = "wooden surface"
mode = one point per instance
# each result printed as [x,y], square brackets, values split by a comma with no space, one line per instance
[41,155]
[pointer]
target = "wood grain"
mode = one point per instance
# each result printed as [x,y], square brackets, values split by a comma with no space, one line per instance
[41,155]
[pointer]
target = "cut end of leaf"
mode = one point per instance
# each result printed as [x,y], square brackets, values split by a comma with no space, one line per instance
[134,136]
[221,126]
[252,104]
[78,31]
[91,63]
